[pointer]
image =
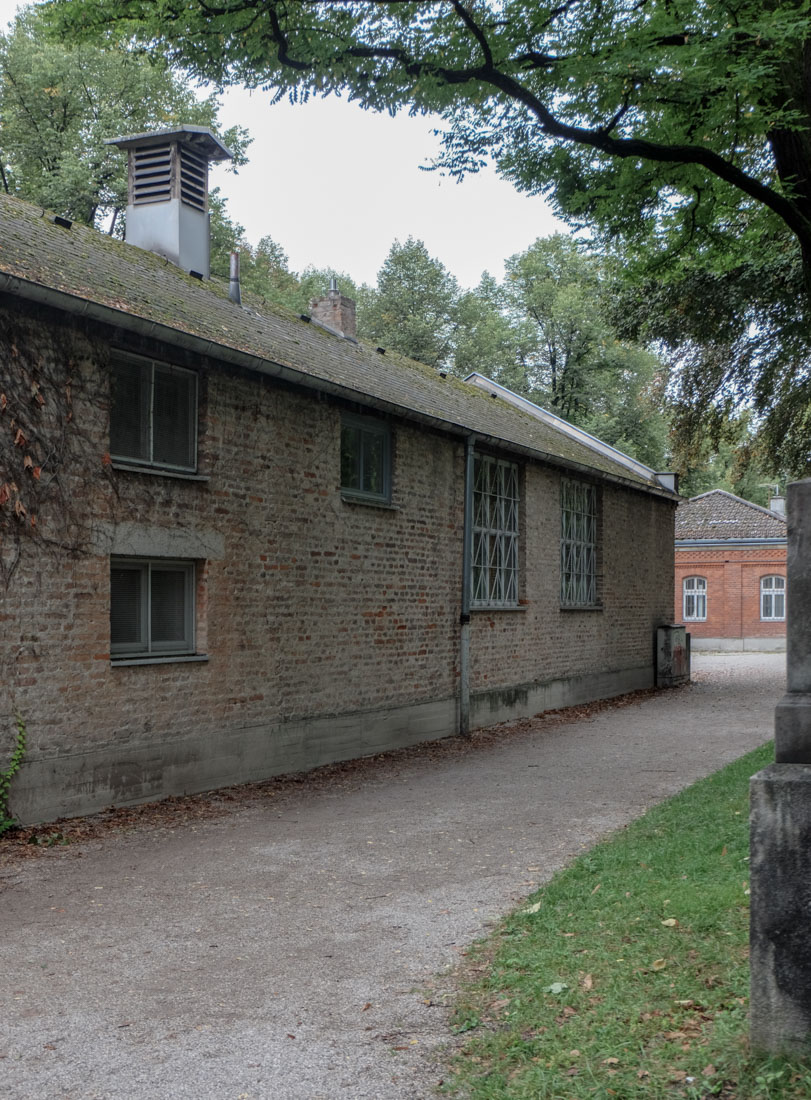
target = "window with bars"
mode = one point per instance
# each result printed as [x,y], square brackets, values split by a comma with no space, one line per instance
[695,599]
[366,459]
[151,607]
[495,533]
[773,598]
[579,533]
[153,414]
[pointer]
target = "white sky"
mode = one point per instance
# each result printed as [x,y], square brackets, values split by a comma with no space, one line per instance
[334,186]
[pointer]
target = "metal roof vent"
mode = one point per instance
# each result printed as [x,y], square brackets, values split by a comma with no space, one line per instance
[167,194]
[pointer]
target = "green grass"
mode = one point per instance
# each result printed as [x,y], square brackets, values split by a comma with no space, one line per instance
[626,975]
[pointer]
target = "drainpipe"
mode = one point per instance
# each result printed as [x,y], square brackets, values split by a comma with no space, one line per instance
[464,618]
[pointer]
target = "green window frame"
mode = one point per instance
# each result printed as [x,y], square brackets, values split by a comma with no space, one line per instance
[366,459]
[579,545]
[495,533]
[152,604]
[153,414]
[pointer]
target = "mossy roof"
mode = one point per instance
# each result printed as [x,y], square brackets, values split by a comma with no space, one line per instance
[721,515]
[85,266]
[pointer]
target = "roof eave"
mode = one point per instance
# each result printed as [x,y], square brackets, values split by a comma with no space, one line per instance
[131,322]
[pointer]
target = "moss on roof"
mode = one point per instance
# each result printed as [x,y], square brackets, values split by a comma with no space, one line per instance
[721,515]
[87,265]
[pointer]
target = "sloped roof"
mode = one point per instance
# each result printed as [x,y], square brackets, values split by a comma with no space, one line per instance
[720,515]
[81,270]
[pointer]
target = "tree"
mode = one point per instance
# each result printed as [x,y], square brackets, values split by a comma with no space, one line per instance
[59,104]
[558,298]
[486,340]
[413,307]
[680,127]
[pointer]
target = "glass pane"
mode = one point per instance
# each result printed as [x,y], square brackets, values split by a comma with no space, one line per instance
[779,605]
[129,410]
[350,457]
[168,607]
[373,459]
[126,591]
[172,417]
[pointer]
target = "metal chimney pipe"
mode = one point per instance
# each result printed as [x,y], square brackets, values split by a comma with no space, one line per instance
[233,283]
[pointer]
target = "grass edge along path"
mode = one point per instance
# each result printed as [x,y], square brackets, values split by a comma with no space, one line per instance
[627,974]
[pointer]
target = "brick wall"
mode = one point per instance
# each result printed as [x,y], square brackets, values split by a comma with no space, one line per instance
[314,613]
[733,577]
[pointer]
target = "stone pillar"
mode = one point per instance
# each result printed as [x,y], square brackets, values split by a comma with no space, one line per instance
[780,825]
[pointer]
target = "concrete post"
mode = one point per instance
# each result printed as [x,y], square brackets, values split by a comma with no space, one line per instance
[780,825]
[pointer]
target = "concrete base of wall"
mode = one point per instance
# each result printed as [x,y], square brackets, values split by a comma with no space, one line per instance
[780,873]
[738,645]
[84,782]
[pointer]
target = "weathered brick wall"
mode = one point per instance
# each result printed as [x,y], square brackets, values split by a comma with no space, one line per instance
[733,589]
[308,606]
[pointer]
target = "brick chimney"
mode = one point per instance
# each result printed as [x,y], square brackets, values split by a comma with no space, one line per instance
[167,193]
[336,311]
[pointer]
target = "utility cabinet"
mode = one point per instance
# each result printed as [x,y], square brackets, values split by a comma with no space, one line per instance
[672,655]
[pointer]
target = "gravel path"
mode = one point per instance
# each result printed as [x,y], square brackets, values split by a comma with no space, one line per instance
[280,949]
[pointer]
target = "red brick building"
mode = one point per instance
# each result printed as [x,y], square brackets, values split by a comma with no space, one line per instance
[236,542]
[730,573]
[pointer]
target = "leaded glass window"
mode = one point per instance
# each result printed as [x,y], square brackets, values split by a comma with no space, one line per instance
[773,598]
[578,544]
[695,599]
[495,532]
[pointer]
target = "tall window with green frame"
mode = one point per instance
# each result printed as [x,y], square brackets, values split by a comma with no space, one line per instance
[495,533]
[578,544]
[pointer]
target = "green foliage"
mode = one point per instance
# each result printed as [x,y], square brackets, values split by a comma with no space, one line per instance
[59,104]
[626,975]
[679,132]
[413,309]
[570,359]
[6,820]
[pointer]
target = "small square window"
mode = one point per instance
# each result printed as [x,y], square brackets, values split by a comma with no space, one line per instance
[153,414]
[151,607]
[366,459]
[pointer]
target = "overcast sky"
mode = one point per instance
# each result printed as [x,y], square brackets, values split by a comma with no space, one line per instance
[335,185]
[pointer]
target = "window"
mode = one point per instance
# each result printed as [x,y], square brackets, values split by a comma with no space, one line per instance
[578,544]
[366,459]
[151,607]
[773,598]
[153,415]
[695,599]
[495,533]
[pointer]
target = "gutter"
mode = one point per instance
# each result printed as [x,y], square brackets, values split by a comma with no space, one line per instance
[701,544]
[200,345]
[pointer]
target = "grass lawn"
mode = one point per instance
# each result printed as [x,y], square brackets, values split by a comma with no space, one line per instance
[626,975]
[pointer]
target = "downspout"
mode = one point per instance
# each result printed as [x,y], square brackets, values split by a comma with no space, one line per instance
[464,618]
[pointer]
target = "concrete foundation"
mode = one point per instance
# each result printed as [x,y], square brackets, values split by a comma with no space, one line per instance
[110,774]
[737,645]
[780,945]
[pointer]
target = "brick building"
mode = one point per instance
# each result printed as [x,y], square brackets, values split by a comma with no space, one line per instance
[236,542]
[731,572]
